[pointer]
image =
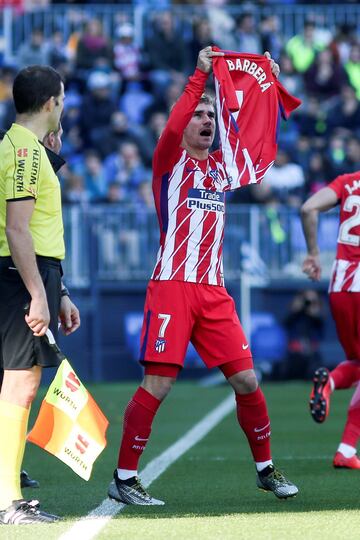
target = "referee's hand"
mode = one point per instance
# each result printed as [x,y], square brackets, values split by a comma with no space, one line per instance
[38,318]
[69,316]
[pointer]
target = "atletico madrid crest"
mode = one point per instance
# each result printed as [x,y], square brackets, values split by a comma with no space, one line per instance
[160,345]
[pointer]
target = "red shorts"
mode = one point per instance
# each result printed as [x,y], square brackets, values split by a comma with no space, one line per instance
[177,312]
[345,308]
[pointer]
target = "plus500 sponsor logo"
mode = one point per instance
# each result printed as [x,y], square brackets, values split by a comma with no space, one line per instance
[203,199]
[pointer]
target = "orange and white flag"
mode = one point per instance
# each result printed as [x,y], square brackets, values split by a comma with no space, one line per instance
[70,425]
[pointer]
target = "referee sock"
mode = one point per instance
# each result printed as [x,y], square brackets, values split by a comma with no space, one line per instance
[13,425]
[346,374]
[254,420]
[139,415]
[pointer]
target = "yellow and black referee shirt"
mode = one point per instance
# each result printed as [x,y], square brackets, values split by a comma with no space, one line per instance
[26,172]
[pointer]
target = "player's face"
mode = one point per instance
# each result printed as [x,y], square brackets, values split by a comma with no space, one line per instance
[200,131]
[57,110]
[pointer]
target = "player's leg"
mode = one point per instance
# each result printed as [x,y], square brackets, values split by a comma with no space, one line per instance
[219,338]
[254,420]
[345,310]
[345,456]
[137,424]
[164,340]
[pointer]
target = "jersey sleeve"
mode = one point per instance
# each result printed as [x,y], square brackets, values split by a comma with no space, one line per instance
[170,139]
[22,173]
[337,185]
[287,102]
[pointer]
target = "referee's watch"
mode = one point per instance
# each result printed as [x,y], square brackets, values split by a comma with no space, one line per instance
[64,291]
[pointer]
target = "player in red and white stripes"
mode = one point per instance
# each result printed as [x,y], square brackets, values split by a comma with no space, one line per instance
[344,295]
[186,299]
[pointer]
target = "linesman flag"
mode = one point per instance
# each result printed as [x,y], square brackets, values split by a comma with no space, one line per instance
[70,425]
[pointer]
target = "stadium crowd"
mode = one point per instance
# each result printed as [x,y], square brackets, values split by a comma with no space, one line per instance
[118,96]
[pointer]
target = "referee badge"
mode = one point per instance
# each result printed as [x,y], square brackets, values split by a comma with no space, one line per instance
[160,345]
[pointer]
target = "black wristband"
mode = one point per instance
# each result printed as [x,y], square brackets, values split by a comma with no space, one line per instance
[64,292]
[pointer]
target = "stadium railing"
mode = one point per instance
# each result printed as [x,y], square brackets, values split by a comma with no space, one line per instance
[16,27]
[119,243]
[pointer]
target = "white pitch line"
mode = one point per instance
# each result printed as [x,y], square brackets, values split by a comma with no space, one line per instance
[89,526]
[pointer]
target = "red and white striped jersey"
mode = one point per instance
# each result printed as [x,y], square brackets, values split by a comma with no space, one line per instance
[189,200]
[190,193]
[345,275]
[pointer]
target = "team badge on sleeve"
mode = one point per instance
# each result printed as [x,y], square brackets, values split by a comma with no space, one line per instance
[22,152]
[160,345]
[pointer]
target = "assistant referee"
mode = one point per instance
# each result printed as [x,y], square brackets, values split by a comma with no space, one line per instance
[31,250]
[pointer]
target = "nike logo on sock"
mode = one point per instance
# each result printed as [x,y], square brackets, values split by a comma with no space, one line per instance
[137,438]
[262,428]
[245,346]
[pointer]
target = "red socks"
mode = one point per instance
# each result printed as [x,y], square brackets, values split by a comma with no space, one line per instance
[351,433]
[346,374]
[254,420]
[138,418]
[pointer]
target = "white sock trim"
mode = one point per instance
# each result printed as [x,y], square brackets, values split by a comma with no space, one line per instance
[346,450]
[261,465]
[125,474]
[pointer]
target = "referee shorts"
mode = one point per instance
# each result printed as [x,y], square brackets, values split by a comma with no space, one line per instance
[19,348]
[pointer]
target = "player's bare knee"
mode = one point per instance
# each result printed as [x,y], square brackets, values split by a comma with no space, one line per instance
[157,385]
[244,382]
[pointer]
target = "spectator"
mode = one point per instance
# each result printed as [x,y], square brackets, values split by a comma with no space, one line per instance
[353,155]
[118,132]
[352,68]
[270,35]
[247,38]
[135,101]
[302,48]
[286,179]
[305,327]
[336,154]
[126,55]
[75,191]
[97,107]
[346,114]
[164,102]
[6,102]
[325,76]
[93,48]
[312,119]
[222,23]
[33,51]
[57,53]
[344,39]
[202,36]
[166,51]
[125,167]
[91,169]
[151,135]
[317,173]
[290,78]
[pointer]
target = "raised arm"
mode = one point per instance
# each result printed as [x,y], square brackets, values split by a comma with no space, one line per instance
[321,201]
[181,113]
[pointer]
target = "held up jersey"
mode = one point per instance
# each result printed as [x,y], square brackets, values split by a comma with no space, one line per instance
[250,102]
[345,274]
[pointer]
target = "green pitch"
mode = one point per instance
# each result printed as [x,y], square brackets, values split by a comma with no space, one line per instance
[210,492]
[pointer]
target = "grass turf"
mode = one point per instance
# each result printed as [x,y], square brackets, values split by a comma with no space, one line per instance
[210,492]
